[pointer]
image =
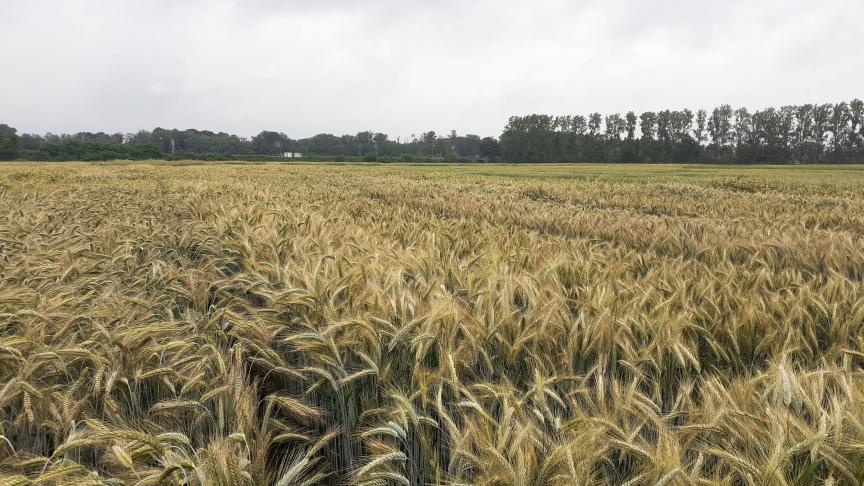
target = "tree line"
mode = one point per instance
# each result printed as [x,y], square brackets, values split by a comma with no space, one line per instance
[810,133]
[207,145]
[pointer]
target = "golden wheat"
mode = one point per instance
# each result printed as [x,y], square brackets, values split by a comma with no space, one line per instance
[283,324]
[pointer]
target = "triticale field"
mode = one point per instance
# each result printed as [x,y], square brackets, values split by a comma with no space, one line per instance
[209,324]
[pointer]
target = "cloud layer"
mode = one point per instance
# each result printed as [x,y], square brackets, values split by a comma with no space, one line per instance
[403,67]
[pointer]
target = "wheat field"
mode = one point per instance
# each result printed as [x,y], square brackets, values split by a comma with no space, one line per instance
[209,324]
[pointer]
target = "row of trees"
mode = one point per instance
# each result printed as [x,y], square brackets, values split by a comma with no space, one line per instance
[791,134]
[162,142]
[380,145]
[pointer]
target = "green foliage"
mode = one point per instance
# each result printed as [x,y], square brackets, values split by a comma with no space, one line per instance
[266,146]
[790,134]
[71,149]
[826,133]
[193,141]
[8,142]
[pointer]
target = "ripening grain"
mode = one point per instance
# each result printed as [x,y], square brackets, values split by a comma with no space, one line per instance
[283,324]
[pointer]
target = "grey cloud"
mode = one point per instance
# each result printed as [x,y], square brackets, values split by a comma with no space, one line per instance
[402,67]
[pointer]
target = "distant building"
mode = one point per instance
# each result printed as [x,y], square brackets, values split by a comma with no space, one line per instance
[292,155]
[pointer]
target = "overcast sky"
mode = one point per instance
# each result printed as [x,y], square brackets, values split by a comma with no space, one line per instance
[405,66]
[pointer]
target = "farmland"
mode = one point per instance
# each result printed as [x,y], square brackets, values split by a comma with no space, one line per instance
[288,324]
